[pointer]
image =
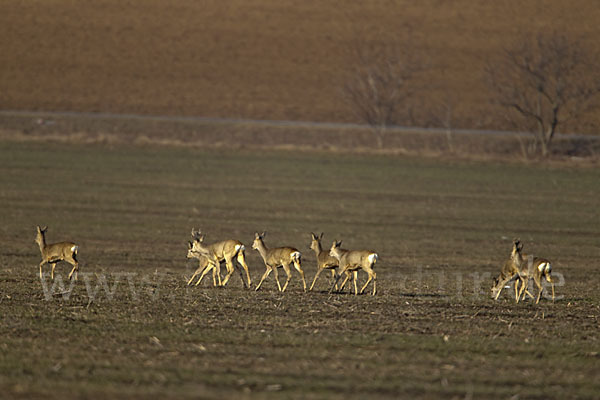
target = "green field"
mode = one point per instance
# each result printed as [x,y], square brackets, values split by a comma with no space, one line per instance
[130,327]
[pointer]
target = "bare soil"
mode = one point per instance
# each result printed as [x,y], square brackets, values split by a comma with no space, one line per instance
[276,60]
[131,328]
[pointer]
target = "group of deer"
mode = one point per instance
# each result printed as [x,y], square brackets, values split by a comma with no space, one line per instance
[522,268]
[349,262]
[519,268]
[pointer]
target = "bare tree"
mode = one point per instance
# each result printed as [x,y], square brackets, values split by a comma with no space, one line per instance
[545,82]
[378,89]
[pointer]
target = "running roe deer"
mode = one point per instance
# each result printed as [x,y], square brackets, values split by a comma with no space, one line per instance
[278,257]
[353,260]
[55,252]
[215,254]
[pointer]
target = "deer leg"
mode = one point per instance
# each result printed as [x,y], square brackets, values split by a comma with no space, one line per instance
[501,286]
[73,271]
[288,273]
[526,288]
[218,267]
[265,275]
[241,259]
[214,276]
[333,276]
[374,284]
[355,279]
[539,296]
[198,270]
[348,275]
[540,290]
[230,271]
[315,279]
[301,272]
[335,282]
[207,268]
[75,268]
[372,276]
[241,275]
[42,263]
[53,265]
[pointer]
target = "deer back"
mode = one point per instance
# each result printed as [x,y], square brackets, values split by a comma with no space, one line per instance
[281,255]
[226,248]
[60,251]
[325,259]
[358,258]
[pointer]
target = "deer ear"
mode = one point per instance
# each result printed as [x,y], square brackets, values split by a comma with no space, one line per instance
[44,229]
[321,237]
[190,245]
[262,235]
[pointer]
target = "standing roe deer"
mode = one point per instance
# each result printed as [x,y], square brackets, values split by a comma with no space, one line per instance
[511,270]
[353,260]
[537,268]
[215,254]
[278,257]
[205,265]
[55,252]
[324,260]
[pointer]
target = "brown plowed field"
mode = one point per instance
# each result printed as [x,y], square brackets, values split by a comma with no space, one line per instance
[264,59]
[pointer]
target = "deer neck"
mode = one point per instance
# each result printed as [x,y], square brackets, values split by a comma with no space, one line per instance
[202,250]
[42,243]
[337,253]
[262,249]
[519,261]
[318,249]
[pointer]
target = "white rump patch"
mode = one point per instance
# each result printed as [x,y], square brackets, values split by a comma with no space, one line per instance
[543,266]
[373,257]
[239,247]
[74,249]
[295,255]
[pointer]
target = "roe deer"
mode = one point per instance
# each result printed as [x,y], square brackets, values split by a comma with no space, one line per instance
[205,265]
[278,257]
[324,260]
[511,270]
[353,260]
[55,252]
[537,269]
[215,254]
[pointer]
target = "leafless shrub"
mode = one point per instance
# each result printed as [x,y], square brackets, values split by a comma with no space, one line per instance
[378,91]
[543,83]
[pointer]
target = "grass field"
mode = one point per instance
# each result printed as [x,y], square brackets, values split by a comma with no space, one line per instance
[130,328]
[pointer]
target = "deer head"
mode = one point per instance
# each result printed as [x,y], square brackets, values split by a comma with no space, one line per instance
[258,237]
[316,242]
[196,234]
[335,248]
